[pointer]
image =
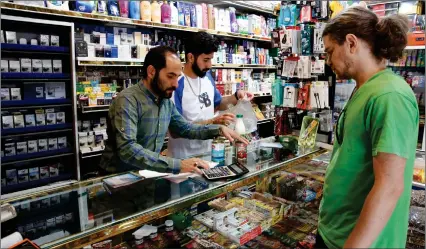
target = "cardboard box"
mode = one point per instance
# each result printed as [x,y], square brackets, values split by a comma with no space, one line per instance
[21,148]
[54,40]
[18,120]
[7,122]
[30,120]
[47,66]
[44,40]
[36,66]
[42,145]
[23,175]
[53,169]
[40,119]
[57,66]
[44,173]
[32,146]
[50,118]
[60,117]
[62,142]
[11,177]
[15,93]
[53,143]
[34,174]
[25,65]
[9,149]
[4,66]
[5,93]
[11,37]
[14,66]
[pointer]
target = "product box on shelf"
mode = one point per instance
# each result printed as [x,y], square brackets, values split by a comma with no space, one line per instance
[42,145]
[11,177]
[18,120]
[23,175]
[55,90]
[21,148]
[40,117]
[53,170]
[25,65]
[53,143]
[9,149]
[2,36]
[7,122]
[15,93]
[62,142]
[57,66]
[34,173]
[44,173]
[11,37]
[54,40]
[47,66]
[14,66]
[4,66]
[36,66]
[44,40]
[5,93]
[30,120]
[50,118]
[32,146]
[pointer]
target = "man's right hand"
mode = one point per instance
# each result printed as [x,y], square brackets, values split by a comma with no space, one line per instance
[224,119]
[192,165]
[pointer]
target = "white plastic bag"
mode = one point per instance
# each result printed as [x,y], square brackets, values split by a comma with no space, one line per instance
[249,117]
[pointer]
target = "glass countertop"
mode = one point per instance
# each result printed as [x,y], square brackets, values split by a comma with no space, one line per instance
[72,212]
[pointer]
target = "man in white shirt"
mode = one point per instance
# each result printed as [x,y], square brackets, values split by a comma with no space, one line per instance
[197,98]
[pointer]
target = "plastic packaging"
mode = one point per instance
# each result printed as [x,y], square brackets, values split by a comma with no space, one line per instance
[112,7]
[155,12]
[166,12]
[124,8]
[134,10]
[244,108]
[85,6]
[239,125]
[417,219]
[308,132]
[174,19]
[181,13]
[145,11]
[193,14]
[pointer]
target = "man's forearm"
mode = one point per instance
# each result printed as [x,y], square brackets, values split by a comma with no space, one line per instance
[204,122]
[377,210]
[226,101]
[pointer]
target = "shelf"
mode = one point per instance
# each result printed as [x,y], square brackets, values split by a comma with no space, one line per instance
[24,130]
[35,156]
[35,76]
[114,62]
[244,6]
[32,184]
[18,103]
[415,47]
[91,154]
[34,48]
[123,21]
[242,66]
[98,108]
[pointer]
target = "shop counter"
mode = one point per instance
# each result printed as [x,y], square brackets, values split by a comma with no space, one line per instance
[85,213]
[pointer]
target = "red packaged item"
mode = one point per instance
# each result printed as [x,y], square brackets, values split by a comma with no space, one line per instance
[303,97]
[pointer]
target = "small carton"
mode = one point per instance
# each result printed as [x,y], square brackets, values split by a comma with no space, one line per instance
[25,65]
[5,94]
[14,66]
[9,149]
[11,177]
[54,40]
[40,117]
[42,145]
[60,117]
[44,40]
[15,93]
[21,148]
[11,37]
[4,66]
[53,170]
[23,175]
[55,90]
[30,120]
[36,65]
[18,119]
[51,118]
[32,146]
[44,173]
[57,66]
[53,143]
[47,66]
[7,122]
[62,142]
[39,92]
[34,174]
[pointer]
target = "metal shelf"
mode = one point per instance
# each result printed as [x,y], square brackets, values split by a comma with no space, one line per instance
[38,102]
[35,76]
[123,21]
[35,156]
[25,130]
[98,108]
[34,48]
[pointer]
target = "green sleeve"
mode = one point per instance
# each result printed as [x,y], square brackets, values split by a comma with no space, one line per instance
[393,123]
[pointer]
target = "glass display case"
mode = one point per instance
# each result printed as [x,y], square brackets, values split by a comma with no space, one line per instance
[85,212]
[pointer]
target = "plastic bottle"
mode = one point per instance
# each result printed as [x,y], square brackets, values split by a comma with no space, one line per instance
[134,10]
[205,16]
[210,15]
[233,19]
[199,12]
[165,12]
[173,237]
[174,19]
[182,54]
[141,240]
[124,8]
[155,12]
[146,11]
[240,148]
[239,125]
[157,241]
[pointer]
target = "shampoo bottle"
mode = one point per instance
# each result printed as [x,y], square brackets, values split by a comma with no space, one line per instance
[155,12]
[165,12]
[174,14]
[145,11]
[134,10]
[199,13]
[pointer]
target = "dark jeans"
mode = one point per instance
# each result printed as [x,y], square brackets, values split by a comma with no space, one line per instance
[320,242]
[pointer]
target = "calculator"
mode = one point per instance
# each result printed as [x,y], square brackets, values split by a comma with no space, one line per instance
[223,172]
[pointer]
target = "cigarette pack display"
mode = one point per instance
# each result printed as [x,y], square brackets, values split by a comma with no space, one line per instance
[9,149]
[45,203]
[55,90]
[39,90]
[32,146]
[7,122]
[62,142]
[29,120]
[14,66]
[54,40]
[34,42]
[42,144]
[53,170]
[50,118]
[23,175]
[53,143]
[21,148]
[3,182]
[15,93]
[44,173]
[60,117]
[18,119]
[55,200]
[11,177]
[11,37]
[102,39]
[57,66]
[36,66]
[40,119]
[4,66]
[2,36]
[25,65]
[34,173]
[44,40]
[5,94]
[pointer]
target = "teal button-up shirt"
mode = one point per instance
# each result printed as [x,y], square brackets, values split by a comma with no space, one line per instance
[138,124]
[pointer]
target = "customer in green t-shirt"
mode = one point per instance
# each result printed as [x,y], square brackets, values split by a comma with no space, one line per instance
[368,182]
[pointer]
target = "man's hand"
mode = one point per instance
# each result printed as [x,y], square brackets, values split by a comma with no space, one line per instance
[243,94]
[191,165]
[231,135]
[224,119]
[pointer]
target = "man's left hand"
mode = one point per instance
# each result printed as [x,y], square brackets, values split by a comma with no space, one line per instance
[243,94]
[231,135]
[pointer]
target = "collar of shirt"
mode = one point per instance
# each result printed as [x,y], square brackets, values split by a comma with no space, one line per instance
[150,94]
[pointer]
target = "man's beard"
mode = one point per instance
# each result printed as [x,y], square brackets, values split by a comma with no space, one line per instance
[196,69]
[156,87]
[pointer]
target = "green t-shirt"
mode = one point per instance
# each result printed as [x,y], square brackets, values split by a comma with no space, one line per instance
[382,116]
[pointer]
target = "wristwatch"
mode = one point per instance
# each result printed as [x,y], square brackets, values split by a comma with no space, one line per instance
[236,95]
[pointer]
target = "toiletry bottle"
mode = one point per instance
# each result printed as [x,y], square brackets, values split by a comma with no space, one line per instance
[155,11]
[134,10]
[233,19]
[205,15]
[174,14]
[165,12]
[210,14]
[182,54]
[124,8]
[146,11]
[199,14]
